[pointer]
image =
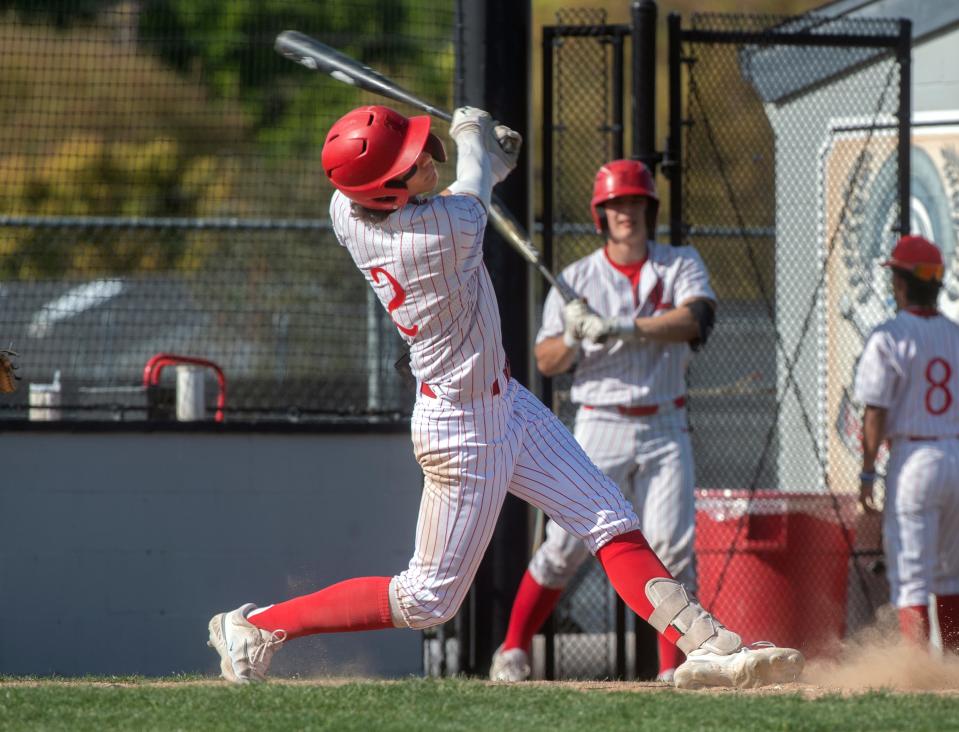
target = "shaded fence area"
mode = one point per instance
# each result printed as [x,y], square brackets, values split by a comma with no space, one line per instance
[161,192]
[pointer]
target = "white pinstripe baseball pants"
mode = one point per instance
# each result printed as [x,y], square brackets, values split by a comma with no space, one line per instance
[472,455]
[921,520]
[651,459]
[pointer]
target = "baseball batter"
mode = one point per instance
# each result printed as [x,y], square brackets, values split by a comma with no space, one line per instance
[655,301]
[908,379]
[477,433]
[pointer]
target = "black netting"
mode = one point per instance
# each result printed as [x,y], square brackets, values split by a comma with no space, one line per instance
[791,194]
[162,192]
[585,136]
[786,147]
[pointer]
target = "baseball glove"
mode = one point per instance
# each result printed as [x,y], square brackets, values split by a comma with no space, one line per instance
[8,377]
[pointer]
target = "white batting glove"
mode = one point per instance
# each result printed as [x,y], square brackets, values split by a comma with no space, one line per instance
[573,314]
[599,330]
[503,146]
[469,128]
[468,120]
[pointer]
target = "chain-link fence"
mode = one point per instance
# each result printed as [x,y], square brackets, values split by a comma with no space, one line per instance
[788,140]
[584,127]
[162,194]
[793,134]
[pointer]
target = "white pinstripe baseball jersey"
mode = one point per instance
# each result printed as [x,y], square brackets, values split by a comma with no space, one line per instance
[425,263]
[482,435]
[630,373]
[910,366]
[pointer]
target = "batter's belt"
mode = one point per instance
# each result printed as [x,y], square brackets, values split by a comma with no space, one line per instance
[427,391]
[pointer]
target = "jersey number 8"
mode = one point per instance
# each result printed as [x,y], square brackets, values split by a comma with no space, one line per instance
[938,373]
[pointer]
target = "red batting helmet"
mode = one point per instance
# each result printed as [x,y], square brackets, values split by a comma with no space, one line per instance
[918,256]
[368,148]
[619,178]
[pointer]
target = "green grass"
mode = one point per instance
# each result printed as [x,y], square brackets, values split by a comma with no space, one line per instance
[455,704]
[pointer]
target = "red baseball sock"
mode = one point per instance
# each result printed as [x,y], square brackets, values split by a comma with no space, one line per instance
[914,624]
[532,606]
[670,657]
[630,563]
[362,603]
[947,607]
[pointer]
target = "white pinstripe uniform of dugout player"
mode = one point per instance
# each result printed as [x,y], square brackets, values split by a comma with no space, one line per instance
[908,380]
[477,433]
[631,391]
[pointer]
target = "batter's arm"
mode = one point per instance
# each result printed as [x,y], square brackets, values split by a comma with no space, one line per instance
[873,433]
[679,325]
[554,356]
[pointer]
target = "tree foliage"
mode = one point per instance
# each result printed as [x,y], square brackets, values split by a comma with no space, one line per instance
[181,108]
[232,47]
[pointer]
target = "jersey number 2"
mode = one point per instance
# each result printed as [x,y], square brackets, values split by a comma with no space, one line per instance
[938,373]
[399,297]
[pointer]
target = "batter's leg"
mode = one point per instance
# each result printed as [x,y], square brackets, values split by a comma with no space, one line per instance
[553,473]
[467,457]
[608,444]
[461,500]
[246,638]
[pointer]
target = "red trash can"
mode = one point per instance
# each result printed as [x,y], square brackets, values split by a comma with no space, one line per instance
[786,578]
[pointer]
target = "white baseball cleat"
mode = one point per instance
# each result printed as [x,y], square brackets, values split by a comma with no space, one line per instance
[218,643]
[760,664]
[510,665]
[245,650]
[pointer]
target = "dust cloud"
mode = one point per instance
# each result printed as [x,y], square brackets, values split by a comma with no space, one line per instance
[879,658]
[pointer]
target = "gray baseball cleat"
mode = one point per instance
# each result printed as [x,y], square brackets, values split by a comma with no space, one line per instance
[759,664]
[245,651]
[510,665]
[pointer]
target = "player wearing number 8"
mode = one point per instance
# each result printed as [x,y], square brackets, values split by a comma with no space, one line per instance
[908,379]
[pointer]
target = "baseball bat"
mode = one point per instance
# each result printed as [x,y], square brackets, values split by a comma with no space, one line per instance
[317,56]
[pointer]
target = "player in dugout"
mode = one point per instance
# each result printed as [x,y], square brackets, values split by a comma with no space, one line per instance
[477,433]
[650,305]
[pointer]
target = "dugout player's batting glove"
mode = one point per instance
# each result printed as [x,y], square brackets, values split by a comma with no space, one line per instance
[574,312]
[503,146]
[8,377]
[600,330]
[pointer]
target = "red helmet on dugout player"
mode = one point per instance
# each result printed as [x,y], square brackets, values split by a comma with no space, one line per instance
[918,256]
[619,178]
[368,148]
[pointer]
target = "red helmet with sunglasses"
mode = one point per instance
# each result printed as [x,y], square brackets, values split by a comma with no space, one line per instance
[369,150]
[917,256]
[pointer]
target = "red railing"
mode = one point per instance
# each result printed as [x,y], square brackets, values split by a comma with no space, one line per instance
[155,366]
